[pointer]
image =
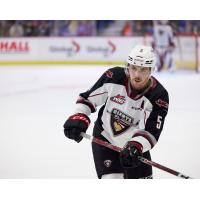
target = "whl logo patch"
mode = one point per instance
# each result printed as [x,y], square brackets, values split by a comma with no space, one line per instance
[118,99]
[120,121]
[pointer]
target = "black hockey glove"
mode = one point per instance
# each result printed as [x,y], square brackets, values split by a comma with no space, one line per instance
[75,125]
[129,154]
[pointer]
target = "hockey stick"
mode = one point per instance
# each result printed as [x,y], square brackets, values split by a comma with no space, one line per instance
[142,159]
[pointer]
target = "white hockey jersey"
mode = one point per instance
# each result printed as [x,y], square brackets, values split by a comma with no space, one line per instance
[125,116]
[163,36]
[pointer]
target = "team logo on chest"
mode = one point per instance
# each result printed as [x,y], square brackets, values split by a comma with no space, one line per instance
[118,99]
[120,121]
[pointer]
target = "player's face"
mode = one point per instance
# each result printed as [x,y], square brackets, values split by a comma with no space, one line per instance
[139,76]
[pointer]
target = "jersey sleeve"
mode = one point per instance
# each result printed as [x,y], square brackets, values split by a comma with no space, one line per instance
[154,124]
[97,95]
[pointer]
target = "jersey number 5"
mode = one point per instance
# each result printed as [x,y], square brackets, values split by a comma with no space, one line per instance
[159,122]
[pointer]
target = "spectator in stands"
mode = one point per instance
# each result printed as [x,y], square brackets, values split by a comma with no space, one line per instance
[148,24]
[101,25]
[16,30]
[4,28]
[73,27]
[138,29]
[84,28]
[44,28]
[64,28]
[128,29]
[88,28]
[54,31]
[198,27]
[31,28]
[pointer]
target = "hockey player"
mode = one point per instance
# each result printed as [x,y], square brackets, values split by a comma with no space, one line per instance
[163,43]
[134,107]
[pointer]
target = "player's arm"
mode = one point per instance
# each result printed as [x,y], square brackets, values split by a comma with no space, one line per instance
[144,140]
[95,96]
[86,104]
[148,137]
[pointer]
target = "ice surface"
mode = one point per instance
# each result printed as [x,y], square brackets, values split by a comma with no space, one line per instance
[35,101]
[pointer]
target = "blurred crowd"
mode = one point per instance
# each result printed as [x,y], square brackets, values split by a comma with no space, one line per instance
[62,28]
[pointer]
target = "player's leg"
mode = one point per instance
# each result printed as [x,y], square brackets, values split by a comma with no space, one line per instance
[170,61]
[113,176]
[107,162]
[159,63]
[108,165]
[162,63]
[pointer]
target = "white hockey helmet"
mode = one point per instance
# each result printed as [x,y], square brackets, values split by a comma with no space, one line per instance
[143,56]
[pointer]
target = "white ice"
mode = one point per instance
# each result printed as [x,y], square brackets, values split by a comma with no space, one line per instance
[35,101]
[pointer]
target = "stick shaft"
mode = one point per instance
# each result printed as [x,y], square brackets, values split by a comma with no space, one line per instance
[142,159]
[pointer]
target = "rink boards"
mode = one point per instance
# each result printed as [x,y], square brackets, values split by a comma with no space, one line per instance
[88,50]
